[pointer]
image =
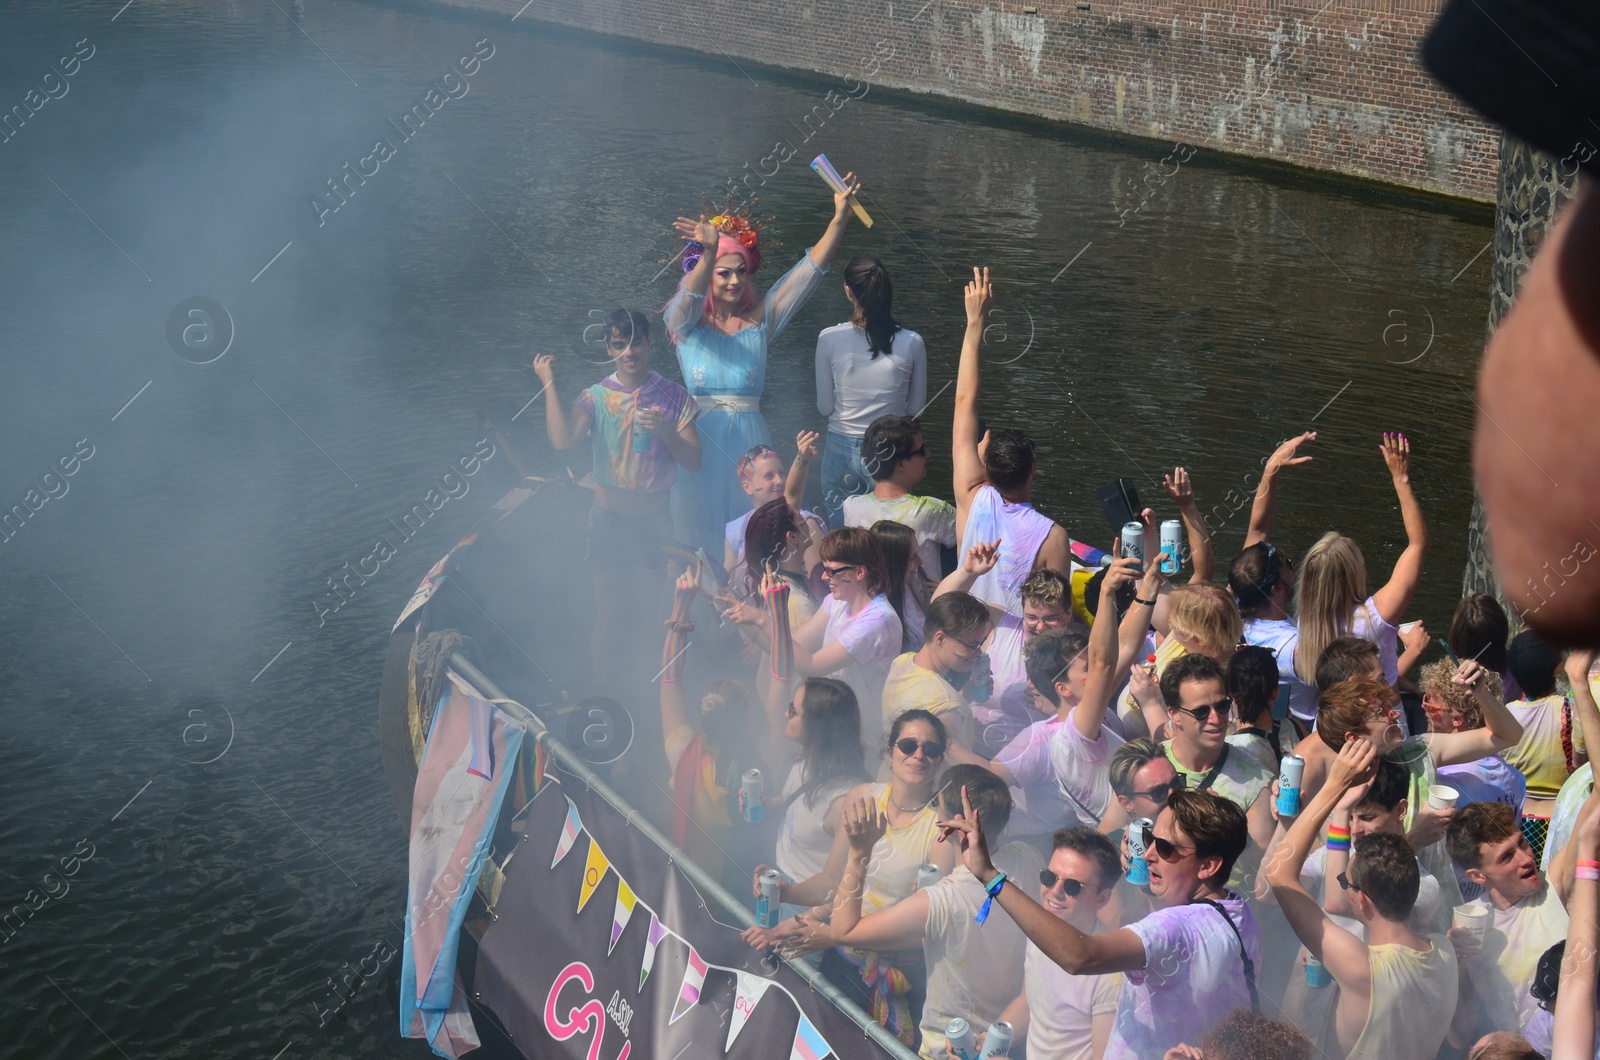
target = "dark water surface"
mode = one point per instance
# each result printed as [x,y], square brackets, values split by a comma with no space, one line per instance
[141,608]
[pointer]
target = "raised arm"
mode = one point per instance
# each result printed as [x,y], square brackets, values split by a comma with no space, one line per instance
[563,434]
[1579,662]
[812,658]
[1343,953]
[1102,682]
[1202,557]
[1264,509]
[822,253]
[968,465]
[1500,728]
[1395,596]
[805,451]
[1575,1009]
[674,710]
[899,927]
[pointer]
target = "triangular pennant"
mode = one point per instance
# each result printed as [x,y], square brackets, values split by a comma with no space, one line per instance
[808,1042]
[569,833]
[651,941]
[593,873]
[694,977]
[747,995]
[623,912]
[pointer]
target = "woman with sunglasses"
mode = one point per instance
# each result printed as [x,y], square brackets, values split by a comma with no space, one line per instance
[890,983]
[855,634]
[1189,963]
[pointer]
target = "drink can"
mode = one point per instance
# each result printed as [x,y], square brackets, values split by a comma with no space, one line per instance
[1171,546]
[1133,540]
[1290,770]
[997,1043]
[1317,976]
[767,904]
[980,686]
[750,788]
[641,437]
[927,875]
[1138,864]
[959,1036]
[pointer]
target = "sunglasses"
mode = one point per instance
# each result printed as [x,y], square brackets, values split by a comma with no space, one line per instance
[836,572]
[1048,881]
[1345,884]
[756,454]
[969,648]
[922,451]
[1165,849]
[1161,792]
[908,747]
[1223,707]
[1383,712]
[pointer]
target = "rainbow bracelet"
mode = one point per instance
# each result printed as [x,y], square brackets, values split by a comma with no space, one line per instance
[1338,838]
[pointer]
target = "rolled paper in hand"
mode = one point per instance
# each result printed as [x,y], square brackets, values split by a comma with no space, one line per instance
[831,176]
[777,601]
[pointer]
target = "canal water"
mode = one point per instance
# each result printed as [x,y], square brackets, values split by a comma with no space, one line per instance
[197,827]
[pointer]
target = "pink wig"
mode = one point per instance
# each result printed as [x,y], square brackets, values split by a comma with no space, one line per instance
[752,261]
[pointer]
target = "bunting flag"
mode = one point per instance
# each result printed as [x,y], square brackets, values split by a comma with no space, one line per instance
[694,977]
[808,1043]
[623,912]
[747,995]
[593,873]
[569,834]
[651,941]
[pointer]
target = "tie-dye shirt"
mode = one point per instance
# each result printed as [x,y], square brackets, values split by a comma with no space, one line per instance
[610,407]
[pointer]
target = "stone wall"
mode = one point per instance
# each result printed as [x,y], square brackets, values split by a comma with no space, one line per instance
[1334,86]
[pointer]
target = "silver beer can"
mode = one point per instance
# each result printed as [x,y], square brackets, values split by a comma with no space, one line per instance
[755,811]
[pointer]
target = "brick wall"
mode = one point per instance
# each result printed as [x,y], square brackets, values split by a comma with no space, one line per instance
[1332,86]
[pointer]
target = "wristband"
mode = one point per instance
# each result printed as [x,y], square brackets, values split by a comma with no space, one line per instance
[1583,873]
[677,642]
[1588,864]
[782,650]
[1147,603]
[993,890]
[1338,838]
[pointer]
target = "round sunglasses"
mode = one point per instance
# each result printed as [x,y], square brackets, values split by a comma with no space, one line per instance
[908,747]
[1048,881]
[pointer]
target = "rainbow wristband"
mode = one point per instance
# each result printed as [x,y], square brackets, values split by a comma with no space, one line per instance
[782,665]
[1338,838]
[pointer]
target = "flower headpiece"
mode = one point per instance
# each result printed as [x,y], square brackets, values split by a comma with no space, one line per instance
[737,225]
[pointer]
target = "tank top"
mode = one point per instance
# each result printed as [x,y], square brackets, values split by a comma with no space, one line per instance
[1413,998]
[892,875]
[1022,531]
[803,839]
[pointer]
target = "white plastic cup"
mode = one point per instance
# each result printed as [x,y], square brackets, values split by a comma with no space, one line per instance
[1471,917]
[1442,797]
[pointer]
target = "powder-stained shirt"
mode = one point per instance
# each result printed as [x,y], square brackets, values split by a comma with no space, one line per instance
[931,519]
[611,408]
[1551,744]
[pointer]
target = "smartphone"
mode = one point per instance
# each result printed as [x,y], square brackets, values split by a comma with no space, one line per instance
[1119,499]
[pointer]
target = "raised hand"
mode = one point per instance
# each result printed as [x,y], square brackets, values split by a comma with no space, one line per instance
[805,444]
[1284,455]
[864,824]
[981,558]
[1357,761]
[1120,571]
[1179,488]
[1415,638]
[1468,674]
[968,831]
[979,296]
[703,232]
[1142,684]
[841,199]
[544,366]
[1396,450]
[1579,662]
[689,580]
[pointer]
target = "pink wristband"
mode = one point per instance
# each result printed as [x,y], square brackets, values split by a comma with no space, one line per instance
[1584,872]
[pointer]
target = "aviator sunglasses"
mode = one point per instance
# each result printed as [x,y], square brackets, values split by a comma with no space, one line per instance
[1165,849]
[1048,881]
[908,747]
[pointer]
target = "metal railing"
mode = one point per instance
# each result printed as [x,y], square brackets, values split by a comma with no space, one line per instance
[708,887]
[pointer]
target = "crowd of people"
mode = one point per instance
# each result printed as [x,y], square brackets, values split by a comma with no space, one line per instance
[1024,783]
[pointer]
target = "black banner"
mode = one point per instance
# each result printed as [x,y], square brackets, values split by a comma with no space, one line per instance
[643,971]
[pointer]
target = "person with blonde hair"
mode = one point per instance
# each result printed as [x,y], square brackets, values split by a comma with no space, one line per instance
[1331,598]
[1453,708]
[1202,619]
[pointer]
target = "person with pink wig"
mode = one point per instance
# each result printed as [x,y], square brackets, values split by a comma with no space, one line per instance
[722,331]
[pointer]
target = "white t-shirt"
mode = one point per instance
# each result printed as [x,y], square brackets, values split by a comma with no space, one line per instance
[1574,793]
[974,970]
[1193,976]
[1486,780]
[1282,637]
[872,637]
[1516,939]
[1064,779]
[1062,1006]
[854,387]
[1368,622]
[933,521]
[803,839]
[1424,915]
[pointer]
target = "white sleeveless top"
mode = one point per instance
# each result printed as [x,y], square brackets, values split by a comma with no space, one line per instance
[803,839]
[1413,999]
[892,874]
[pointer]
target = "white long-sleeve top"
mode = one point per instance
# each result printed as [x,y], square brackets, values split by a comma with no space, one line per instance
[854,388]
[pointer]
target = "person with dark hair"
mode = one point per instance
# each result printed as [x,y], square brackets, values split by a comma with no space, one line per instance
[994,499]
[1195,690]
[974,966]
[777,539]
[896,456]
[1069,1017]
[1246,1035]
[867,367]
[643,429]
[1525,909]
[762,478]
[909,587]
[1254,686]
[928,678]
[1580,669]
[855,634]
[1187,964]
[1480,630]
[1397,987]
[1552,743]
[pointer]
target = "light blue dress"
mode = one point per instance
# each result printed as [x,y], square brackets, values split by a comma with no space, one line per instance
[726,374]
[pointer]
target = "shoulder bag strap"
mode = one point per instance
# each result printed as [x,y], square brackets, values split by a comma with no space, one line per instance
[1244,958]
[1211,777]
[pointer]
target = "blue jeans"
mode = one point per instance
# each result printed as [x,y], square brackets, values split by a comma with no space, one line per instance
[843,475]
